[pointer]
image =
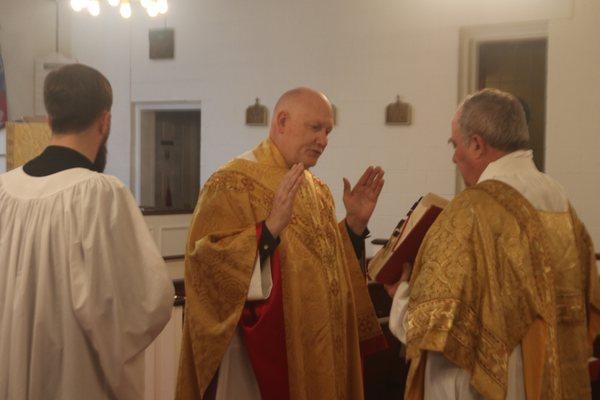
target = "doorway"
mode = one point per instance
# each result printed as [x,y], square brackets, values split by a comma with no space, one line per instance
[166,172]
[519,67]
[512,58]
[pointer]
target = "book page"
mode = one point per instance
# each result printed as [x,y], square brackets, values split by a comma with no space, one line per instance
[429,200]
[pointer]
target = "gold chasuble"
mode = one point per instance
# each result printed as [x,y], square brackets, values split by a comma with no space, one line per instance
[327,311]
[493,273]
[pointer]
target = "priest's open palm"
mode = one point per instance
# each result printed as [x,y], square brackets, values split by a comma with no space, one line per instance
[283,202]
[360,200]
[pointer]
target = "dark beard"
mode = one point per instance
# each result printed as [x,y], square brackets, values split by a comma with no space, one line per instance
[100,162]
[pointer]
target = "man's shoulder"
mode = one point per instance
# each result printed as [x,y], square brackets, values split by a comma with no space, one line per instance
[110,180]
[106,182]
[471,197]
[12,174]
[228,177]
[319,182]
[241,174]
[102,184]
[80,180]
[471,204]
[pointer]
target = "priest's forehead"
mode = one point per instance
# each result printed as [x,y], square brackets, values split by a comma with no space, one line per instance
[303,99]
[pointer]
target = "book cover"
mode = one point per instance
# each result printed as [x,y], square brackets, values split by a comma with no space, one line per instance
[388,263]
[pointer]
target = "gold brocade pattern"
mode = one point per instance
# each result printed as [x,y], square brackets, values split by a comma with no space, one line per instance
[578,300]
[324,305]
[24,141]
[488,268]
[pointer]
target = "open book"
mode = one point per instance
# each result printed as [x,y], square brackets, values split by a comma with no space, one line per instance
[402,247]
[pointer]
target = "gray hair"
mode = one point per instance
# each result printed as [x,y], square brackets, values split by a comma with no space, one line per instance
[498,117]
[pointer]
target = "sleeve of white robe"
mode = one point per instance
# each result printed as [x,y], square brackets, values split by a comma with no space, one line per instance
[397,321]
[261,282]
[443,380]
[120,289]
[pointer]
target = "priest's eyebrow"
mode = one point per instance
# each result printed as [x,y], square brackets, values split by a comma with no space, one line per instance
[450,141]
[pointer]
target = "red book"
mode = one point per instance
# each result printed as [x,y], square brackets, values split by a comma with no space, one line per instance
[388,263]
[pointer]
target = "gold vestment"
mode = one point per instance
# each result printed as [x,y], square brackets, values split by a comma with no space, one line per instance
[327,309]
[493,273]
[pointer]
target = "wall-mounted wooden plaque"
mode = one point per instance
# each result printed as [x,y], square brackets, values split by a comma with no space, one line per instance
[257,114]
[398,113]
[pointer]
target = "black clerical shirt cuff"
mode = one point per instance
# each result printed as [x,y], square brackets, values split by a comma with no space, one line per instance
[267,244]
[358,241]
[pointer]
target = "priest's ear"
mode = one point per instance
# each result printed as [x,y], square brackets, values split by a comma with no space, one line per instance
[104,122]
[477,146]
[281,120]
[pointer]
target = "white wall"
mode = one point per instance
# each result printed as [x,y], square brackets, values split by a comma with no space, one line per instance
[360,53]
[573,122]
[28,31]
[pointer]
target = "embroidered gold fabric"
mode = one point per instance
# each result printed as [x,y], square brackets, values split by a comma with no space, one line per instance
[490,271]
[327,310]
[25,141]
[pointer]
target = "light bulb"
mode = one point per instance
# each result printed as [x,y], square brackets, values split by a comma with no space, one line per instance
[76,5]
[94,8]
[163,6]
[152,9]
[125,10]
[145,3]
[113,3]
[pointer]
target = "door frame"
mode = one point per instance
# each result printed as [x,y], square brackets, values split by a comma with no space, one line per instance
[469,40]
[136,138]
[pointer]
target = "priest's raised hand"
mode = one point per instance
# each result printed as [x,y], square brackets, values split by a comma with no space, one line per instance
[283,201]
[360,200]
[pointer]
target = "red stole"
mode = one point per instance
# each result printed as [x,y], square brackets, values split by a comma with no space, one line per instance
[263,329]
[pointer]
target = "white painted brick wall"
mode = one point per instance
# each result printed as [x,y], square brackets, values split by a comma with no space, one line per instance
[573,104]
[361,54]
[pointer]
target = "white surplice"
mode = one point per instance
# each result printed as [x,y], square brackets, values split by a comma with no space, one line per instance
[83,288]
[443,380]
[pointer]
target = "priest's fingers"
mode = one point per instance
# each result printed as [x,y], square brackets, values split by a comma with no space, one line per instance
[297,179]
[283,201]
[295,186]
[378,178]
[297,169]
[297,174]
[371,177]
[378,187]
[347,186]
[290,177]
[376,175]
[365,176]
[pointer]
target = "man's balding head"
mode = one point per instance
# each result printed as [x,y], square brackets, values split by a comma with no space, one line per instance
[301,95]
[302,119]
